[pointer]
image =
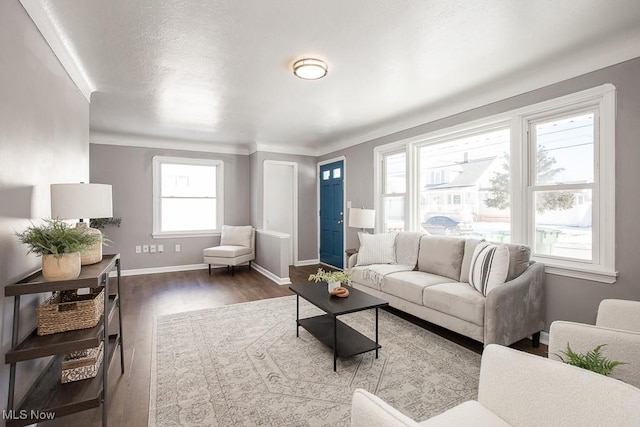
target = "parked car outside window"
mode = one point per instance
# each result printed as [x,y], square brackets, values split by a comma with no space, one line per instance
[447,226]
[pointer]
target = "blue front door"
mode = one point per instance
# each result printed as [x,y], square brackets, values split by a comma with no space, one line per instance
[332,214]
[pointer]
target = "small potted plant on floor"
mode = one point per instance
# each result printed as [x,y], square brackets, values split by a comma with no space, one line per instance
[60,245]
[334,279]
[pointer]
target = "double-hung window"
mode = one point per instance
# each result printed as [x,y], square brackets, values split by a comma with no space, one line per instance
[187,196]
[394,188]
[542,175]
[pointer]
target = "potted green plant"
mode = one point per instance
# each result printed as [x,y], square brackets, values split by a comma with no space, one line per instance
[333,278]
[593,360]
[101,223]
[60,245]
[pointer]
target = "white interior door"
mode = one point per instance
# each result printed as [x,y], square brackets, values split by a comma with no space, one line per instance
[281,200]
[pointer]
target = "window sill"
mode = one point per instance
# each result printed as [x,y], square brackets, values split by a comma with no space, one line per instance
[584,273]
[184,234]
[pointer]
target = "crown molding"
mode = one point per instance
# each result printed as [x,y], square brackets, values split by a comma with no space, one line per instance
[130,140]
[46,23]
[564,68]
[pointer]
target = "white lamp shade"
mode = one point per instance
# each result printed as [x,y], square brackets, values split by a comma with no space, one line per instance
[362,218]
[70,201]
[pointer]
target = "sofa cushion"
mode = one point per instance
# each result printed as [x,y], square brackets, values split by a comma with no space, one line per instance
[467,413]
[409,285]
[236,235]
[441,256]
[456,299]
[226,251]
[407,247]
[469,247]
[519,258]
[377,249]
[373,275]
[489,267]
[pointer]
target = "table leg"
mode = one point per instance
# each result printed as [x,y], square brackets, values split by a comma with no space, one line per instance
[335,341]
[376,332]
[297,314]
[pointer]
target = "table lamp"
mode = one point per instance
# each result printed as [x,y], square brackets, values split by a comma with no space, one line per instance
[362,218]
[69,201]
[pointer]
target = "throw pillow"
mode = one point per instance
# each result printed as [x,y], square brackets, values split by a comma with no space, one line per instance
[377,249]
[236,235]
[489,267]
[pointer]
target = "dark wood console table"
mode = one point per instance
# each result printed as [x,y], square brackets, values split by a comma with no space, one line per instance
[47,395]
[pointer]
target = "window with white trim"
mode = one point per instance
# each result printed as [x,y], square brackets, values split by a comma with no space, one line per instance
[541,175]
[187,196]
[394,188]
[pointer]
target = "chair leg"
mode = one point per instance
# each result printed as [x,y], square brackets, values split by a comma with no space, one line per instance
[535,338]
[209,269]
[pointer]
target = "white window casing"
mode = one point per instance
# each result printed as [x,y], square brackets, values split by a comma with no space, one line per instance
[158,161]
[601,101]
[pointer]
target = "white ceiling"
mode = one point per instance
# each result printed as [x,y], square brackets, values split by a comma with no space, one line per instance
[216,74]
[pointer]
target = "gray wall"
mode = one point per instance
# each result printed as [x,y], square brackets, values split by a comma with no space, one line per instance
[272,254]
[307,199]
[567,298]
[129,170]
[44,139]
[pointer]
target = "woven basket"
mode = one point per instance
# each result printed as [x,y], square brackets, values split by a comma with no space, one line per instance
[55,316]
[83,367]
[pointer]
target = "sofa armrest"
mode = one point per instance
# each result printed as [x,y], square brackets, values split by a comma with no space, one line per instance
[528,390]
[352,261]
[516,309]
[368,410]
[619,314]
[623,346]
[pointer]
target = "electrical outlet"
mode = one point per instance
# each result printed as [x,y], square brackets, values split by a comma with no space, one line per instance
[145,249]
[152,249]
[138,249]
[177,247]
[160,248]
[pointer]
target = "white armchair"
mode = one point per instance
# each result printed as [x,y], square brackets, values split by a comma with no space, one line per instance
[617,326]
[521,389]
[237,246]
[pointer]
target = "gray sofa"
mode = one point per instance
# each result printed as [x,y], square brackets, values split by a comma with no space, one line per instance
[429,279]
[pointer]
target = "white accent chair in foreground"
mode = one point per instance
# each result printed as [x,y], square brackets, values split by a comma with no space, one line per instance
[237,246]
[521,389]
[617,326]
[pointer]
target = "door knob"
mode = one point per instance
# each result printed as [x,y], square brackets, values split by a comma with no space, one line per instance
[341,221]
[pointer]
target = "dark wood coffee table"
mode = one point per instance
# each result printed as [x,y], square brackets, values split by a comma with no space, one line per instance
[344,340]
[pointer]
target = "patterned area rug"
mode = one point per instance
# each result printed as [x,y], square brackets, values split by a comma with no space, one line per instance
[242,365]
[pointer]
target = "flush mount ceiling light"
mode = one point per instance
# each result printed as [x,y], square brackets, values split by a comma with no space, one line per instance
[310,69]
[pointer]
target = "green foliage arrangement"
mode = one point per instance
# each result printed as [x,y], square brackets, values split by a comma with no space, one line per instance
[101,223]
[593,360]
[343,277]
[56,237]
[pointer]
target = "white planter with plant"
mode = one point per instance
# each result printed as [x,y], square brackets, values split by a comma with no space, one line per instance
[334,279]
[60,245]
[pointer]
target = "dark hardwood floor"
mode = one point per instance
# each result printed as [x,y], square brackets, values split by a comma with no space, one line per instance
[145,297]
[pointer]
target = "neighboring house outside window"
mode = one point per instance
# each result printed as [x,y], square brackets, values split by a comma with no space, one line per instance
[542,175]
[188,198]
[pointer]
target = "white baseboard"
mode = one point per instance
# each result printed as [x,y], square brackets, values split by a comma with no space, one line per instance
[304,262]
[544,337]
[168,269]
[270,275]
